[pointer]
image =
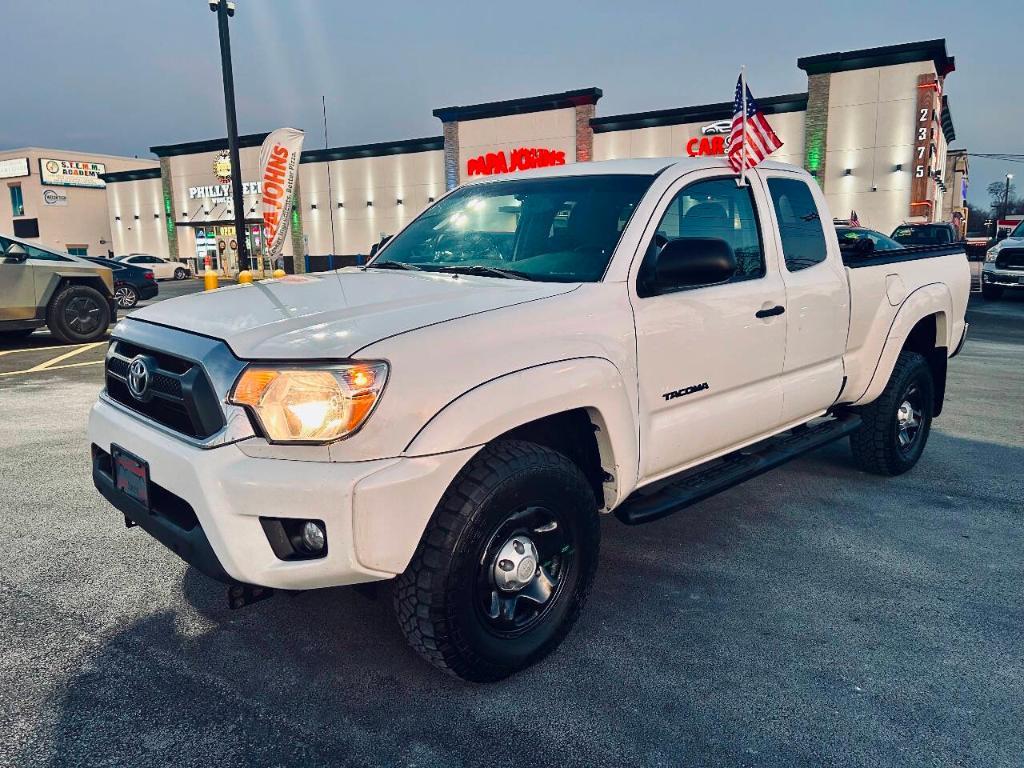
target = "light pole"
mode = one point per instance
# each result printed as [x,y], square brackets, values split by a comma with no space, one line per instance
[1006,197]
[225,9]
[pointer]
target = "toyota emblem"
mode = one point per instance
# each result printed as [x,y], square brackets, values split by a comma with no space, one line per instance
[138,377]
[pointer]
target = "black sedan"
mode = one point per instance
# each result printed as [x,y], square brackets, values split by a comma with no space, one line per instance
[131,284]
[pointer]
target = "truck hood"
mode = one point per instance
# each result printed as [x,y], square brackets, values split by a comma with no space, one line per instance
[335,314]
[1009,242]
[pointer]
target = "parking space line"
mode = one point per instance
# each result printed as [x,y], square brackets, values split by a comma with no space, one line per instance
[65,356]
[51,368]
[34,349]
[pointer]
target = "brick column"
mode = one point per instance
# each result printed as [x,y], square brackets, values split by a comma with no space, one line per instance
[816,125]
[584,133]
[451,155]
[298,242]
[169,212]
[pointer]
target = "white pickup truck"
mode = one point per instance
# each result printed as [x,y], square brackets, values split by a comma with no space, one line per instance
[529,352]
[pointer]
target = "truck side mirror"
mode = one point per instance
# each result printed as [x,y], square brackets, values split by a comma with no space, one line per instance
[688,262]
[15,254]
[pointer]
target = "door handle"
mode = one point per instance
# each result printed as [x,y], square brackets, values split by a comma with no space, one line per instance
[776,310]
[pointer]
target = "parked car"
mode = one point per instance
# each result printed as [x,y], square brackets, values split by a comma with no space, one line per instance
[163,269]
[72,297]
[132,284]
[850,237]
[628,336]
[1004,265]
[926,234]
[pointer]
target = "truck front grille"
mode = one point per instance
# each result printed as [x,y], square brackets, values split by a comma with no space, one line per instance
[179,395]
[1010,258]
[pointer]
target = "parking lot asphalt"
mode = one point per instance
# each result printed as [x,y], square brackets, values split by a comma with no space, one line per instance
[813,616]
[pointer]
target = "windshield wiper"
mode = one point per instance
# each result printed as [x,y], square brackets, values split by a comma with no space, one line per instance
[480,269]
[392,265]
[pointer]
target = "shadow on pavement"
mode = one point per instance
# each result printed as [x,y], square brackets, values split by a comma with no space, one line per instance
[816,615]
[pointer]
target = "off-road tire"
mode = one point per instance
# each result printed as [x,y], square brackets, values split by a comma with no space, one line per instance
[875,444]
[58,322]
[434,597]
[991,292]
[180,274]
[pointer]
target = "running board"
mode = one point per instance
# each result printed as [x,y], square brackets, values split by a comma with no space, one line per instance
[696,485]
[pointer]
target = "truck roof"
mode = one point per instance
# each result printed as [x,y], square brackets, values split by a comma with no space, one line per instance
[632,166]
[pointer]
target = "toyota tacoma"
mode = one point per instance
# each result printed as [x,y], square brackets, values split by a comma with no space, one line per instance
[625,337]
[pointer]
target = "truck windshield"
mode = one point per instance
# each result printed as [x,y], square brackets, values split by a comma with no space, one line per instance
[1018,231]
[559,229]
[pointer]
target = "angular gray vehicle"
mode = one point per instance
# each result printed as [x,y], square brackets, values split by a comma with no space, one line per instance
[38,287]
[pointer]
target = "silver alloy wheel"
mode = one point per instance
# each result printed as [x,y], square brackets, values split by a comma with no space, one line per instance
[126,297]
[909,416]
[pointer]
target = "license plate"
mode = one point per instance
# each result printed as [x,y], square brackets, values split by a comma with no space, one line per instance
[131,475]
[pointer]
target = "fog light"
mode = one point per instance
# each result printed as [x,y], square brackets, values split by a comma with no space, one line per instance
[313,536]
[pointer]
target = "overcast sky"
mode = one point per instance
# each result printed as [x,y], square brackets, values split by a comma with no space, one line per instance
[119,76]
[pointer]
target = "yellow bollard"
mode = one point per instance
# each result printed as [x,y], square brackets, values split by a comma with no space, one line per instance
[278,274]
[210,280]
[245,277]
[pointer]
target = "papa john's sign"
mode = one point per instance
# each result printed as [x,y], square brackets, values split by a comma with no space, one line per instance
[521,159]
[279,170]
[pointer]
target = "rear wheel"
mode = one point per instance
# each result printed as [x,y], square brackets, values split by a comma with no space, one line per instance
[505,564]
[896,425]
[991,292]
[180,274]
[126,296]
[78,314]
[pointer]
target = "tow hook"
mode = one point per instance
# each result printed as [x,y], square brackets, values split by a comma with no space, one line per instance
[241,595]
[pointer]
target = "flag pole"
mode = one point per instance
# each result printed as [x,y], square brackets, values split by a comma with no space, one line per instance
[743,93]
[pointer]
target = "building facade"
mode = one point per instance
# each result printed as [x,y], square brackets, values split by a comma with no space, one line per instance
[57,198]
[873,127]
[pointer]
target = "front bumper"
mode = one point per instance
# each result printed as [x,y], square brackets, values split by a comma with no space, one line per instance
[1004,278]
[206,505]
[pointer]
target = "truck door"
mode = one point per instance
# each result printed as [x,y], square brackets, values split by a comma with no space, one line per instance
[817,296]
[17,282]
[708,357]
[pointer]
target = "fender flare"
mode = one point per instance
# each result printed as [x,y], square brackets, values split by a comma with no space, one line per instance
[494,407]
[932,299]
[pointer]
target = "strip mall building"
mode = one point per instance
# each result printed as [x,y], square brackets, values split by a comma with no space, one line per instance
[873,127]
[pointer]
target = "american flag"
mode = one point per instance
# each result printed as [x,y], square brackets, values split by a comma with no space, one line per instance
[760,140]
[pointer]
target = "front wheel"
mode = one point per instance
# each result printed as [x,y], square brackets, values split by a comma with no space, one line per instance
[505,564]
[78,314]
[991,292]
[896,425]
[180,274]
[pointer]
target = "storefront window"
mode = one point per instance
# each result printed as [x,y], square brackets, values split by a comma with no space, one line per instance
[17,202]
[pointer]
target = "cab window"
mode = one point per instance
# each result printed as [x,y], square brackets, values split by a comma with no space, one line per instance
[803,239]
[716,208]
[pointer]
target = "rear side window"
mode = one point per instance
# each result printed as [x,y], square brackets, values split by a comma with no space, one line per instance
[803,239]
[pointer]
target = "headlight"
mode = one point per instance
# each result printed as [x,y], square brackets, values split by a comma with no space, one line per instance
[315,404]
[991,253]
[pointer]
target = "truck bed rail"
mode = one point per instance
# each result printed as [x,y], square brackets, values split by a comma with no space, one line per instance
[855,260]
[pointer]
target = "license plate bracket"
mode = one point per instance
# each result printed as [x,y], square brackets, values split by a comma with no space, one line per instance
[131,475]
